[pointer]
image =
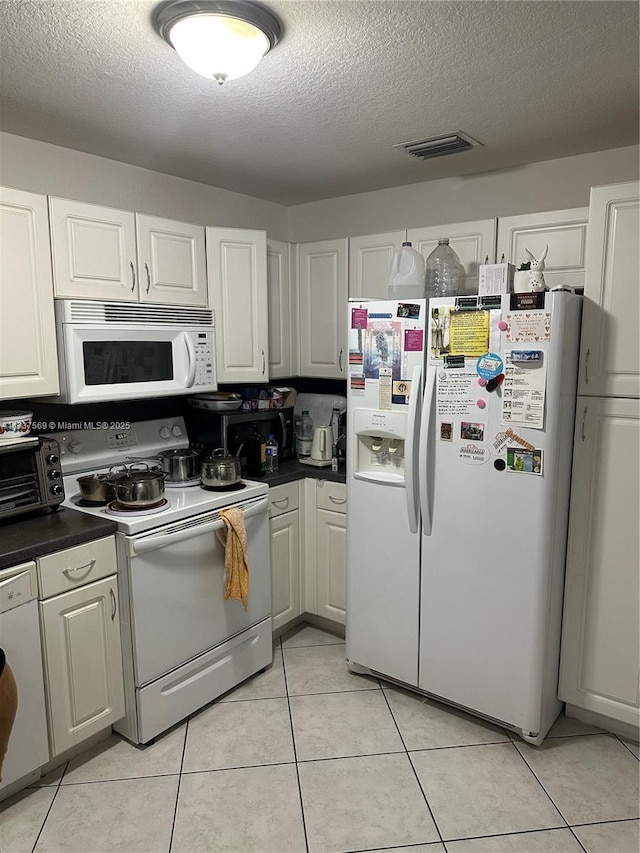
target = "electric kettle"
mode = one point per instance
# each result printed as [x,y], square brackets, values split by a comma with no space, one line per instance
[321,446]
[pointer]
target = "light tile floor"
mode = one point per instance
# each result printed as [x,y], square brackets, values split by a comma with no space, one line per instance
[310,758]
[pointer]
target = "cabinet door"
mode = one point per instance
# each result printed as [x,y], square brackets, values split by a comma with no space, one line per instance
[473,242]
[171,261]
[563,231]
[237,279]
[28,360]
[322,282]
[332,565]
[94,251]
[279,309]
[609,353]
[285,567]
[600,669]
[370,263]
[83,663]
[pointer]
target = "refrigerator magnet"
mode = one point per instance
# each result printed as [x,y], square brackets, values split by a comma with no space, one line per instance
[522,461]
[489,366]
[446,431]
[473,454]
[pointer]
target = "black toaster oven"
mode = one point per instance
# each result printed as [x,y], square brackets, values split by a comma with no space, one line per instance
[30,476]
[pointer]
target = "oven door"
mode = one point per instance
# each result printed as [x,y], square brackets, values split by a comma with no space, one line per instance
[176,588]
[124,362]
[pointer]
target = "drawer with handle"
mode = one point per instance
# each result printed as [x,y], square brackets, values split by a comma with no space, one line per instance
[330,495]
[74,567]
[283,498]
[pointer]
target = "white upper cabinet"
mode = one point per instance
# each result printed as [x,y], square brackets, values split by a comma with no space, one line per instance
[280,309]
[28,360]
[171,261]
[237,280]
[322,280]
[370,263]
[473,242]
[563,231]
[609,353]
[94,251]
[109,254]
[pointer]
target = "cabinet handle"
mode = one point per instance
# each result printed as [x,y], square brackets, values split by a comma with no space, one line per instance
[584,418]
[264,363]
[87,566]
[113,605]
[340,360]
[586,367]
[133,276]
[146,267]
[283,501]
[337,500]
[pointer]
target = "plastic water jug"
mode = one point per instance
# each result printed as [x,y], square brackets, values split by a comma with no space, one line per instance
[442,271]
[407,278]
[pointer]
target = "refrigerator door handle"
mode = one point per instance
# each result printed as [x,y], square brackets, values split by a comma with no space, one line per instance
[411,468]
[423,451]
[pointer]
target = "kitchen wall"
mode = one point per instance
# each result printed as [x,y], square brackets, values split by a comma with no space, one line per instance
[536,187]
[27,164]
[551,185]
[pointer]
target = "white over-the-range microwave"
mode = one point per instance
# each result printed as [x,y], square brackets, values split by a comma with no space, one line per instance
[122,351]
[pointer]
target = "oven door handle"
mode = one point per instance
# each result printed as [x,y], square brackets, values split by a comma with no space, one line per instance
[143,546]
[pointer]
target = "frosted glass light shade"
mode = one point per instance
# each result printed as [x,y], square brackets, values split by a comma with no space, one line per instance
[218,47]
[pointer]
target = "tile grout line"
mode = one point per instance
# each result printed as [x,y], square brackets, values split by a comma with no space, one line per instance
[175,808]
[46,817]
[637,757]
[535,776]
[406,751]
[295,752]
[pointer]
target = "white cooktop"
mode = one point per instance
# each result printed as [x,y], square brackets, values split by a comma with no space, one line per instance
[94,451]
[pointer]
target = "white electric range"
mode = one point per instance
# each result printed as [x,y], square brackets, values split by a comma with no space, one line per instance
[183,643]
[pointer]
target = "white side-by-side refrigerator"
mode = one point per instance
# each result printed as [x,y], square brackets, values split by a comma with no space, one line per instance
[460,419]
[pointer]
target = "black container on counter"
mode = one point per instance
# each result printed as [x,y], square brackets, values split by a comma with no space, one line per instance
[255,448]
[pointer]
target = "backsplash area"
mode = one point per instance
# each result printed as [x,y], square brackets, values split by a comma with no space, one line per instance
[323,395]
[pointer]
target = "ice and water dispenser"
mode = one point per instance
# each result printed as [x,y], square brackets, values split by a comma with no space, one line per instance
[380,439]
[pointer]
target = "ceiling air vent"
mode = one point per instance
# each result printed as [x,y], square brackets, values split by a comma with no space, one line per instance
[438,146]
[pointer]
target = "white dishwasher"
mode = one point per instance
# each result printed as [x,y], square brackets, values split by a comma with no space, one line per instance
[20,638]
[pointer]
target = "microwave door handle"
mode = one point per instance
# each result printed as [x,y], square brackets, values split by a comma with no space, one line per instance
[191,355]
[283,424]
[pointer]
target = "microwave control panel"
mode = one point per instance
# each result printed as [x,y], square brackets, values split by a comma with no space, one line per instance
[203,348]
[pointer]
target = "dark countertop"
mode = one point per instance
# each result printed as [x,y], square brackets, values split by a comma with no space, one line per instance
[291,470]
[27,537]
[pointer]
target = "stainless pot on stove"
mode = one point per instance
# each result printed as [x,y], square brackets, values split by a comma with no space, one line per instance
[220,469]
[180,465]
[96,488]
[137,488]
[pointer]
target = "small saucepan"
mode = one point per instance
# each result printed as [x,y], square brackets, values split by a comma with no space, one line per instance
[137,488]
[220,469]
[95,488]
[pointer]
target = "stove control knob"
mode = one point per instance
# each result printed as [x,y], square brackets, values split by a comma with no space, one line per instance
[176,431]
[75,446]
[52,459]
[57,489]
[165,432]
[54,475]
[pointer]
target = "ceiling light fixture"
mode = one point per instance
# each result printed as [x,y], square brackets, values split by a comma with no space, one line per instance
[219,40]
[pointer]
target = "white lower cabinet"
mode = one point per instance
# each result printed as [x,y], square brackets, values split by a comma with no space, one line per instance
[326,550]
[600,667]
[284,534]
[81,643]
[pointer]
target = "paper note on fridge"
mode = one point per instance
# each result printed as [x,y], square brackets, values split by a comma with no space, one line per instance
[455,393]
[523,326]
[524,391]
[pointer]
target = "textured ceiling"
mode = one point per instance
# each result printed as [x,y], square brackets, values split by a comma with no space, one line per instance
[319,116]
